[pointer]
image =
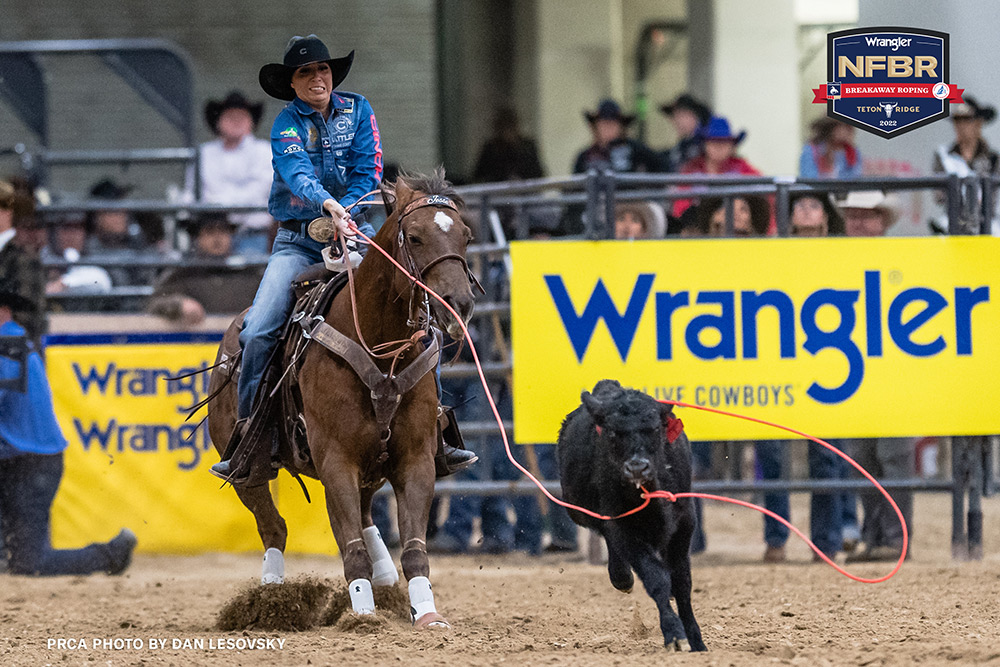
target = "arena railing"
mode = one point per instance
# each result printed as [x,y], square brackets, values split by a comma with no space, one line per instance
[502,208]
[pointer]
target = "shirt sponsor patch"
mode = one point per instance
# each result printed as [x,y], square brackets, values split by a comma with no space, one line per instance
[293,148]
[289,132]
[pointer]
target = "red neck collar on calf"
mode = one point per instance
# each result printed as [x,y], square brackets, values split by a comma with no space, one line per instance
[674,428]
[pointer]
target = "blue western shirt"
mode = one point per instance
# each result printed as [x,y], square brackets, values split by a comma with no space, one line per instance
[316,159]
[27,421]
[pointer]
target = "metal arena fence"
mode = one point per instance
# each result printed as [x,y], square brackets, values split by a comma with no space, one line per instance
[582,206]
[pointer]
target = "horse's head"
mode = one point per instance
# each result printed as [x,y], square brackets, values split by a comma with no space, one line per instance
[431,239]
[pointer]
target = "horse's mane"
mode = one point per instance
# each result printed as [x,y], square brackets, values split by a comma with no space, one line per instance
[432,184]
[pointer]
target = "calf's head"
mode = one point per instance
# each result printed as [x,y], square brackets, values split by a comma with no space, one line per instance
[631,428]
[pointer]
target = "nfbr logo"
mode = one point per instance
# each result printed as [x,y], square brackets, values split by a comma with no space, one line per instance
[889,80]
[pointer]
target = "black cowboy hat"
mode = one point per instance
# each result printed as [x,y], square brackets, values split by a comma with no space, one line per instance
[608,110]
[276,78]
[685,101]
[969,108]
[196,224]
[109,189]
[14,301]
[234,100]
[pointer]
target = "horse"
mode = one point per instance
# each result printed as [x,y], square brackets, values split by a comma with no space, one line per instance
[351,452]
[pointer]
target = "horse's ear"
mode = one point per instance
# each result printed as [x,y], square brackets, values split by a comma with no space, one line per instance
[388,196]
[403,192]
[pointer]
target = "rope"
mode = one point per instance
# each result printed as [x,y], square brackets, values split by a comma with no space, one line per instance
[666,495]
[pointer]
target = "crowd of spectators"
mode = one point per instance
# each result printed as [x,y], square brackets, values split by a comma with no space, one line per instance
[235,170]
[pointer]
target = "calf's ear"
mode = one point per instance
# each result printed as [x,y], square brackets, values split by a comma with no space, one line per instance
[593,406]
[666,412]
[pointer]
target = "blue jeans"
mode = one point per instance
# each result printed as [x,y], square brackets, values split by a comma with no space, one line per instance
[770,457]
[28,484]
[498,533]
[291,254]
[561,528]
[826,510]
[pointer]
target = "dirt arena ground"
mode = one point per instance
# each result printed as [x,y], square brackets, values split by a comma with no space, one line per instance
[546,611]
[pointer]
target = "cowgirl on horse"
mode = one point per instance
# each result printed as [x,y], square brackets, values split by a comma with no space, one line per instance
[327,155]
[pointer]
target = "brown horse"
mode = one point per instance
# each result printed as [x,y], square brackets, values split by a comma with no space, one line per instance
[424,232]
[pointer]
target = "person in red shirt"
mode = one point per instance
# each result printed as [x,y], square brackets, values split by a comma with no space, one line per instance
[718,156]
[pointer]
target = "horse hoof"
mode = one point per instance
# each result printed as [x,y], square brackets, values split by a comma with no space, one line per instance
[626,591]
[432,619]
[268,579]
[679,645]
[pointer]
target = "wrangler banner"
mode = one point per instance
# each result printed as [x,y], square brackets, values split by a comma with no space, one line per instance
[134,462]
[835,337]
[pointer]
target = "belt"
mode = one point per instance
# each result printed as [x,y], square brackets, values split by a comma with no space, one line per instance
[297,226]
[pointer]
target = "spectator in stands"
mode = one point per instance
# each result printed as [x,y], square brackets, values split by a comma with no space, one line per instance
[184,295]
[69,241]
[639,220]
[969,155]
[814,214]
[510,156]
[833,517]
[611,148]
[718,157]
[830,152]
[688,116]
[113,234]
[112,230]
[870,213]
[31,465]
[751,216]
[20,269]
[236,169]
[507,155]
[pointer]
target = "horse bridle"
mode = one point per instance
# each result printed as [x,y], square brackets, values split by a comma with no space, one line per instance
[432,201]
[427,201]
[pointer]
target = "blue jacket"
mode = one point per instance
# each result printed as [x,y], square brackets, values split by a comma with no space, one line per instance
[316,159]
[27,421]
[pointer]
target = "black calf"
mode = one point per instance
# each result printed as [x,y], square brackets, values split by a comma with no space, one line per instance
[617,440]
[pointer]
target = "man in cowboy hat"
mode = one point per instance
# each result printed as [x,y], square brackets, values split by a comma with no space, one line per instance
[327,155]
[611,149]
[868,213]
[687,115]
[236,168]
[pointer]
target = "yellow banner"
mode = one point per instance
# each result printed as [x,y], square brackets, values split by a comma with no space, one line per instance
[134,462]
[836,337]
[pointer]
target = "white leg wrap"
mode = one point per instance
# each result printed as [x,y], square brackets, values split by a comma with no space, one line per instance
[421,597]
[383,570]
[273,570]
[362,600]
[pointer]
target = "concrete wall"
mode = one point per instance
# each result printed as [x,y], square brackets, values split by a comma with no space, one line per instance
[395,67]
[744,61]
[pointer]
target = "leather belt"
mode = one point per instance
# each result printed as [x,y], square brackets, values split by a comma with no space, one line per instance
[294,225]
